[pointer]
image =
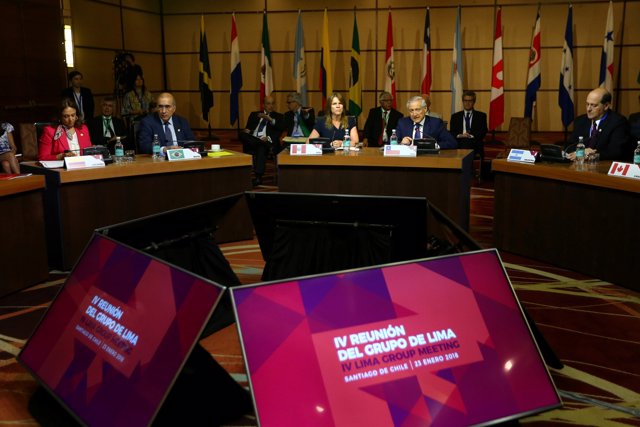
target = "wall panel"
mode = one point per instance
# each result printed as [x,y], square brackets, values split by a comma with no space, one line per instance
[181,22]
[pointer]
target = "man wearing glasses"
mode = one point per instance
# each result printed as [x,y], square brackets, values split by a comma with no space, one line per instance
[469,126]
[299,120]
[380,122]
[419,126]
[170,128]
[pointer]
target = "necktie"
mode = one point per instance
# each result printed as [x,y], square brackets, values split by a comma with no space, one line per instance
[261,126]
[417,134]
[167,134]
[107,127]
[593,136]
[467,121]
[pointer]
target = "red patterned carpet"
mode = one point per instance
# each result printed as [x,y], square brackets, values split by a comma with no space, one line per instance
[592,326]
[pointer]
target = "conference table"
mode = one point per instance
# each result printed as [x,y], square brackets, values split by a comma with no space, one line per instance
[24,253]
[444,178]
[580,219]
[79,201]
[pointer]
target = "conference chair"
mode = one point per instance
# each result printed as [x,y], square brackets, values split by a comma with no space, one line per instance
[29,137]
[518,136]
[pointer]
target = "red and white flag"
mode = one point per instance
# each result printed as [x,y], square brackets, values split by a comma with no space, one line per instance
[425,87]
[390,68]
[496,105]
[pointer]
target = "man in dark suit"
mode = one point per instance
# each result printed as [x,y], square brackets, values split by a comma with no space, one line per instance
[81,95]
[381,121]
[604,131]
[103,129]
[469,126]
[299,120]
[418,125]
[170,128]
[261,134]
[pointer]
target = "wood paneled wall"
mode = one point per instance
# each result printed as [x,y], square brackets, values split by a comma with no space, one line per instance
[164,35]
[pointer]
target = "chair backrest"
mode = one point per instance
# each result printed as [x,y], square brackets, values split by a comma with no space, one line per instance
[29,137]
[519,135]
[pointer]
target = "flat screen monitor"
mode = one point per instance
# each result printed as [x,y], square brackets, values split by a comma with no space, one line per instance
[118,333]
[440,341]
[311,233]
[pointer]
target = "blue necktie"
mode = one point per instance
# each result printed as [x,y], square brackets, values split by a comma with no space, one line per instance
[167,134]
[467,120]
[417,134]
[261,126]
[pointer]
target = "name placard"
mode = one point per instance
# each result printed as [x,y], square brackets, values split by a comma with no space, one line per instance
[83,162]
[182,154]
[522,156]
[305,150]
[625,170]
[399,150]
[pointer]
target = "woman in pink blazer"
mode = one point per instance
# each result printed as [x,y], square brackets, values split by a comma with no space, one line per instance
[66,139]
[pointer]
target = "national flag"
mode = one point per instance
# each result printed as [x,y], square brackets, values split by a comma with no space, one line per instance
[390,67]
[456,68]
[496,105]
[425,86]
[565,92]
[533,76]
[266,73]
[606,59]
[299,62]
[355,89]
[236,73]
[326,86]
[204,78]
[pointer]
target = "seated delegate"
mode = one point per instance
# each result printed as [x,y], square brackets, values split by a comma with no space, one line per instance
[65,139]
[170,128]
[8,149]
[418,125]
[335,123]
[603,130]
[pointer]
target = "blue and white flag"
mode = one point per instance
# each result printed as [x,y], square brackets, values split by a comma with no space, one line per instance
[299,62]
[565,92]
[456,68]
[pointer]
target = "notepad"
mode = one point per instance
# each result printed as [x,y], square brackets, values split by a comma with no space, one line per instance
[52,164]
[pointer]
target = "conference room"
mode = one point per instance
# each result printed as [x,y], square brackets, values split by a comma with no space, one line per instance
[572,273]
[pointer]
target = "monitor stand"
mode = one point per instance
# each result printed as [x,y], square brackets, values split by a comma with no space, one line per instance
[204,392]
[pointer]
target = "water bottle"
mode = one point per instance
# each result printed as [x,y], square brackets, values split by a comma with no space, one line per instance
[119,150]
[393,140]
[347,141]
[580,151]
[156,148]
[636,155]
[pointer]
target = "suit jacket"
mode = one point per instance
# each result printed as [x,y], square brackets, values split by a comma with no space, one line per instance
[478,125]
[96,130]
[152,125]
[613,141]
[49,148]
[373,125]
[273,130]
[433,127]
[88,105]
[289,121]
